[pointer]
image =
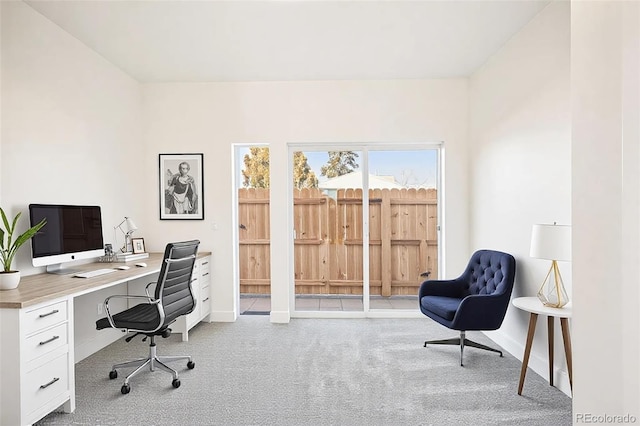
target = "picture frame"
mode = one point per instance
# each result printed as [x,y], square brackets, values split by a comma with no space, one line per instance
[181,186]
[138,245]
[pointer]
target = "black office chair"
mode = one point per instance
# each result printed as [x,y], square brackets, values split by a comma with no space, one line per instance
[172,298]
[476,300]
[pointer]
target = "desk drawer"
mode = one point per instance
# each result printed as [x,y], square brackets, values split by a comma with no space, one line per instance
[205,307]
[204,276]
[46,341]
[45,316]
[46,382]
[204,266]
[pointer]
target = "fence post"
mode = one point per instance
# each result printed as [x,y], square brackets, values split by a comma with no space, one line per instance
[326,236]
[385,235]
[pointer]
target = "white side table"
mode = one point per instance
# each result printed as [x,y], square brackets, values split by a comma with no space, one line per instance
[535,307]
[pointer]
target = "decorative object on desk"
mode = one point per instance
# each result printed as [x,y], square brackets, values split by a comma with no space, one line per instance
[181,186]
[128,257]
[552,242]
[138,245]
[109,255]
[130,227]
[9,279]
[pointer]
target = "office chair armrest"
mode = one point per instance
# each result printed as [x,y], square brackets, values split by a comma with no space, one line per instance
[446,288]
[149,300]
[146,289]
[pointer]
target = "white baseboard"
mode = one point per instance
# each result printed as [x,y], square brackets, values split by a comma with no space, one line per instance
[280,317]
[539,365]
[222,316]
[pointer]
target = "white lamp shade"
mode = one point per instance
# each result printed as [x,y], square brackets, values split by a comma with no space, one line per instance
[552,242]
[130,225]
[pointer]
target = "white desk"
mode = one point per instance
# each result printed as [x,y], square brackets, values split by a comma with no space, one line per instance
[535,307]
[37,362]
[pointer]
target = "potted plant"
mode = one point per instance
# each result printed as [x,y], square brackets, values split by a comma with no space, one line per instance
[9,279]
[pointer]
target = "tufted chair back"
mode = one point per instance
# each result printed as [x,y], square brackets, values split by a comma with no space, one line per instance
[489,272]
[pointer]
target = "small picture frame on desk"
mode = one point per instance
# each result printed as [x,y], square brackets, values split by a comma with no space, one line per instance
[138,245]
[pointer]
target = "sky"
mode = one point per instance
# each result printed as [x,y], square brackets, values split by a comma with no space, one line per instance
[411,168]
[414,169]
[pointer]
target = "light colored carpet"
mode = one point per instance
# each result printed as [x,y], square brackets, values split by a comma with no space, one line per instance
[315,372]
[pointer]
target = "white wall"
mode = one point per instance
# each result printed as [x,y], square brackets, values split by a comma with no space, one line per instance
[70,128]
[520,162]
[1,126]
[209,118]
[605,84]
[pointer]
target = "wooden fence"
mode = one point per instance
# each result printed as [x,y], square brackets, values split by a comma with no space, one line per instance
[328,247]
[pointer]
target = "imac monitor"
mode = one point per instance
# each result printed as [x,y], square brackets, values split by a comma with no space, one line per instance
[71,233]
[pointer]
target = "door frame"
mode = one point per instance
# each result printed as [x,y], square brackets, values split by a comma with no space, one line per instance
[237,165]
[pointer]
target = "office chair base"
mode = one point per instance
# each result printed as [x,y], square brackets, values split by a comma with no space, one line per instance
[153,361]
[462,341]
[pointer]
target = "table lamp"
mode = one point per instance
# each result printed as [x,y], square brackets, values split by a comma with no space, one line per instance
[129,228]
[552,242]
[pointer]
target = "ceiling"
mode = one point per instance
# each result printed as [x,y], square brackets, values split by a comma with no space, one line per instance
[195,41]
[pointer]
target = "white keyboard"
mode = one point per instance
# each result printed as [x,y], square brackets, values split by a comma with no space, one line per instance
[97,272]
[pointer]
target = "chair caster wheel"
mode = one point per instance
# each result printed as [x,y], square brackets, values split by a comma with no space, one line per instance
[113,374]
[125,389]
[175,383]
[191,365]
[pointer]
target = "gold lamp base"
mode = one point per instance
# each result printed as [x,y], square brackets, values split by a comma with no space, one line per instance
[552,292]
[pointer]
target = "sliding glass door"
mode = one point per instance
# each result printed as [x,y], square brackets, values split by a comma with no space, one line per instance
[366,227]
[328,231]
[403,225]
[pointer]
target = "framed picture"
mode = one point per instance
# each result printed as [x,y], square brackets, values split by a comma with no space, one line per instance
[181,186]
[138,245]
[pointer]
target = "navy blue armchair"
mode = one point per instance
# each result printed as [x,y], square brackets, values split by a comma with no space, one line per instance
[476,300]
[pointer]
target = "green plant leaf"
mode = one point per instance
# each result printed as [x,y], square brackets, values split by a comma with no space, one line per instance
[4,219]
[9,250]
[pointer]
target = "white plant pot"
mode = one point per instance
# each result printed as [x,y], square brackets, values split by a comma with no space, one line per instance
[9,280]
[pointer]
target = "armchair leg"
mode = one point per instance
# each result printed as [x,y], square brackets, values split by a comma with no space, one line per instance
[462,341]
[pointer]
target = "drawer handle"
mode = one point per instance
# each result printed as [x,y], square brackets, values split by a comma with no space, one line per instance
[205,300]
[55,311]
[205,263]
[50,340]
[205,274]
[46,385]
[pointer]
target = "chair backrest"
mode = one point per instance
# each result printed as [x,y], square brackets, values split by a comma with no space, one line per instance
[490,272]
[174,281]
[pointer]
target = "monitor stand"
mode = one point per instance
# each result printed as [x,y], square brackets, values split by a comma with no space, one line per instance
[59,270]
